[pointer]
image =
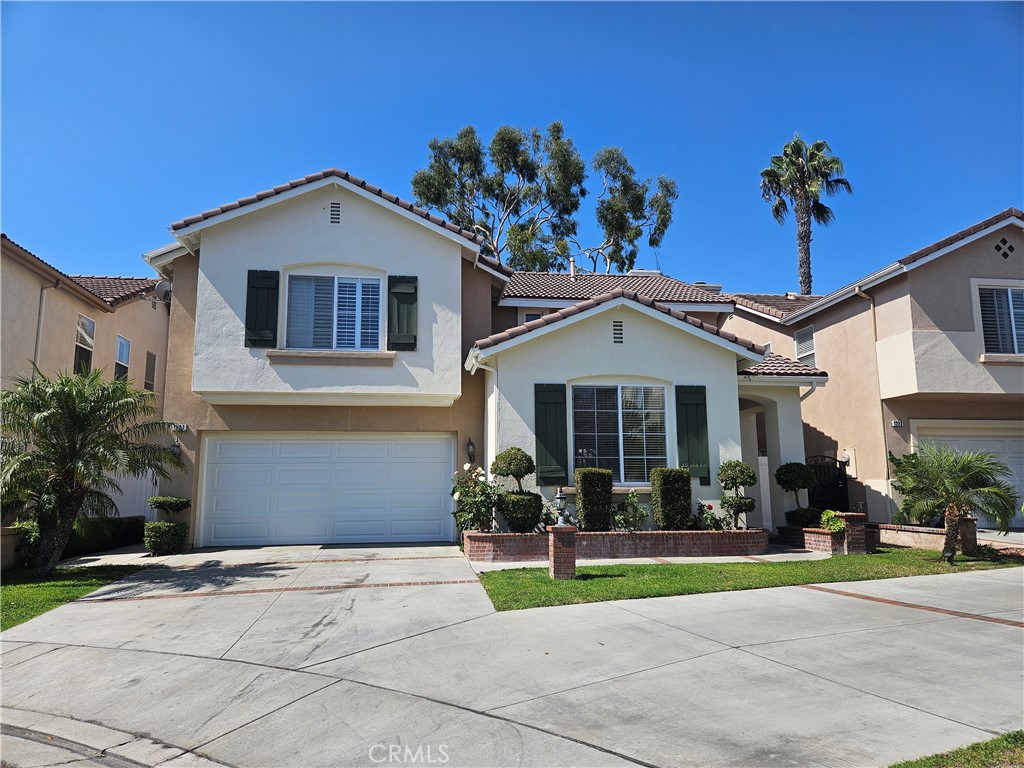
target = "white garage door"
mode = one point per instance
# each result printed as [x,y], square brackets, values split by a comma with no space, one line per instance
[326,488]
[1008,445]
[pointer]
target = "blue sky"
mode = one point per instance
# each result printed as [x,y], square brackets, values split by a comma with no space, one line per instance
[120,118]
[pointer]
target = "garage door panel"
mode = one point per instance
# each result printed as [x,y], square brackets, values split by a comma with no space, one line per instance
[332,489]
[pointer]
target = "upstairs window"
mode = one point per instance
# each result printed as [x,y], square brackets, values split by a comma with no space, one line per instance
[149,382]
[804,339]
[1002,319]
[621,428]
[333,313]
[85,342]
[122,358]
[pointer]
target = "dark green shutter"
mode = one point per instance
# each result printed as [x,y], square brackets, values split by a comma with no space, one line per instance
[692,431]
[552,434]
[261,308]
[402,313]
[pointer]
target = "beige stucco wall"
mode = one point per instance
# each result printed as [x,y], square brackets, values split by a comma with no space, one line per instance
[296,237]
[464,418]
[582,352]
[143,322]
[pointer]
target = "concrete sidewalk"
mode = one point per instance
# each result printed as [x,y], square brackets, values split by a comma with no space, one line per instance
[333,657]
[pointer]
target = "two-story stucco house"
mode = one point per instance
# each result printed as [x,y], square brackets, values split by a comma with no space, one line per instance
[337,353]
[928,347]
[59,322]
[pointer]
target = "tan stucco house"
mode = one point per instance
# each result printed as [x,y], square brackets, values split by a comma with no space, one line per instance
[336,353]
[930,346]
[60,322]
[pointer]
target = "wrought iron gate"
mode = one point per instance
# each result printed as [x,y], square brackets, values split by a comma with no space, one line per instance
[830,491]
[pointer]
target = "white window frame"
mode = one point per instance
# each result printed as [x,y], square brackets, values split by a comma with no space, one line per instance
[360,280]
[622,483]
[796,346]
[91,348]
[1007,286]
[117,361]
[147,384]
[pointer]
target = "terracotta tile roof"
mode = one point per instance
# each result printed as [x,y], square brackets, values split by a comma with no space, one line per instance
[563,286]
[109,290]
[115,290]
[775,304]
[777,365]
[961,235]
[324,174]
[596,301]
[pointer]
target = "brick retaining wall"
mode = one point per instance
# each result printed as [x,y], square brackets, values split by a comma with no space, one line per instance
[511,547]
[814,539]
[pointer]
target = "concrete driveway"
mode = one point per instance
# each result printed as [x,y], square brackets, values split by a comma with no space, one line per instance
[307,656]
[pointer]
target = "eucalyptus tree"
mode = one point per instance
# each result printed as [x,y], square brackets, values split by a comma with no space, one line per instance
[522,193]
[800,176]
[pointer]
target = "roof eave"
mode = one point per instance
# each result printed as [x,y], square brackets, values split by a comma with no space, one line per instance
[783,381]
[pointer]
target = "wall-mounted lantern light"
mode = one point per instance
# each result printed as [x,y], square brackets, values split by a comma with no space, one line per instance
[175,449]
[470,450]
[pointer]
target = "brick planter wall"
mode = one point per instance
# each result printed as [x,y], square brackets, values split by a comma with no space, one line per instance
[925,538]
[814,539]
[510,547]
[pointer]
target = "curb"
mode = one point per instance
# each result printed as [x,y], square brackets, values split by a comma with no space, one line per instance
[103,745]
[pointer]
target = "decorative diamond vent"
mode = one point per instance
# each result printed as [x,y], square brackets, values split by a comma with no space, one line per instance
[616,331]
[335,213]
[1004,248]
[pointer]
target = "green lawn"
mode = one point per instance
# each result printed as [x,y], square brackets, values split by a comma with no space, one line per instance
[531,588]
[23,595]
[1006,751]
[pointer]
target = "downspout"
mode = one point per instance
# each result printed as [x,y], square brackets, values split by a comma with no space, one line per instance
[39,320]
[809,392]
[878,379]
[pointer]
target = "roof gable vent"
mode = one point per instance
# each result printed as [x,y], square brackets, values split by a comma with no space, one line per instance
[617,335]
[335,213]
[1004,248]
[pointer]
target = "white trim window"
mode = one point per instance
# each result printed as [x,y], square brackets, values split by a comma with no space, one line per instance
[1002,319]
[85,343]
[122,358]
[621,428]
[804,340]
[334,313]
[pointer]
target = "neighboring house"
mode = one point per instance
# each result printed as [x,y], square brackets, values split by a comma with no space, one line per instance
[59,322]
[337,353]
[929,347]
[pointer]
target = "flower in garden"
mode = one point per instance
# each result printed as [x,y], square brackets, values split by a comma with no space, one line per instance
[456,495]
[466,467]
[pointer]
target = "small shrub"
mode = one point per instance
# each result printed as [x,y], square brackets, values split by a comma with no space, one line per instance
[165,538]
[515,463]
[629,515]
[593,498]
[804,517]
[475,499]
[709,520]
[97,534]
[522,511]
[169,504]
[736,506]
[794,477]
[671,497]
[830,522]
[28,542]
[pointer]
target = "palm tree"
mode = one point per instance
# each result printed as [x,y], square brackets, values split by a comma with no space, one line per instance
[63,440]
[800,175]
[940,480]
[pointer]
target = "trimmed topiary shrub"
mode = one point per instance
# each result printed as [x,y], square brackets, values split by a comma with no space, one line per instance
[804,517]
[794,477]
[671,497]
[169,504]
[522,511]
[165,538]
[733,475]
[593,498]
[736,506]
[515,463]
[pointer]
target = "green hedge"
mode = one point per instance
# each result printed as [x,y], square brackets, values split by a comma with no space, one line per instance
[166,538]
[97,534]
[593,498]
[522,511]
[671,497]
[804,517]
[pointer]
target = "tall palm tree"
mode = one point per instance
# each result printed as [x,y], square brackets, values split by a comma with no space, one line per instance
[800,175]
[942,480]
[63,440]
